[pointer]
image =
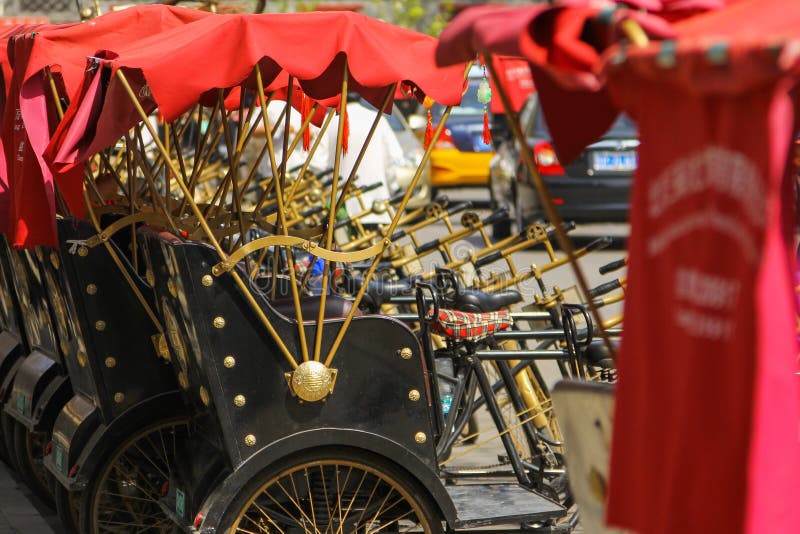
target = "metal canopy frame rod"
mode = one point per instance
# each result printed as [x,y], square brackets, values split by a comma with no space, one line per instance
[204,224]
[552,213]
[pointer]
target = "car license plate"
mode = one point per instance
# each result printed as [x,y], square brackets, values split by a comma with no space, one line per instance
[610,161]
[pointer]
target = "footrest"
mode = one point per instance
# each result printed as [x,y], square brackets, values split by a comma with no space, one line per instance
[480,505]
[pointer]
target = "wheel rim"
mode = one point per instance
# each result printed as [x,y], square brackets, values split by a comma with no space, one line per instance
[130,486]
[35,443]
[331,496]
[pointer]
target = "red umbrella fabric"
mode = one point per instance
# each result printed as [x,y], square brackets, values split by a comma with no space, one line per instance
[29,122]
[707,415]
[563,43]
[312,47]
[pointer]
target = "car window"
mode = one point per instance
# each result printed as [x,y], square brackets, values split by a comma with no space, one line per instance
[469,104]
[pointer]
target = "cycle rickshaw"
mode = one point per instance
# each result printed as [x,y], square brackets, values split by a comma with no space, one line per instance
[207,376]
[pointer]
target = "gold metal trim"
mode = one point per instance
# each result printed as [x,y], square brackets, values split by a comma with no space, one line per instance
[283,240]
[420,437]
[171,288]
[207,280]
[82,358]
[54,259]
[111,362]
[119,397]
[204,396]
[219,322]
[414,395]
[91,289]
[182,380]
[312,381]
[405,353]
[100,326]
[249,440]
[239,401]
[229,361]
[148,275]
[83,251]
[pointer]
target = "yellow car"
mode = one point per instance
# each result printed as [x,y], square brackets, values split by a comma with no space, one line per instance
[460,157]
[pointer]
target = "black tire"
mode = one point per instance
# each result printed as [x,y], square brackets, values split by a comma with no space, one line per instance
[324,471]
[6,435]
[30,451]
[68,506]
[123,493]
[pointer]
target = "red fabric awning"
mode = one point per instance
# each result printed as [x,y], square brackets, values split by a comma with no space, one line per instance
[377,55]
[711,262]
[563,43]
[62,48]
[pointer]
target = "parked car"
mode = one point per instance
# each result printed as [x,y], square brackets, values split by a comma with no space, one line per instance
[593,188]
[460,157]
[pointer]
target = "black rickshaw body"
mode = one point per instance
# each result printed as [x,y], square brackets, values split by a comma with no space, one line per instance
[234,372]
[41,385]
[13,345]
[120,383]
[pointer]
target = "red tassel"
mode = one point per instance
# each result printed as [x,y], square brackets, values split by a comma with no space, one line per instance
[305,109]
[428,131]
[345,130]
[487,134]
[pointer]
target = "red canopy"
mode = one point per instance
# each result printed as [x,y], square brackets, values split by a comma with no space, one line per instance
[563,44]
[63,48]
[708,368]
[312,47]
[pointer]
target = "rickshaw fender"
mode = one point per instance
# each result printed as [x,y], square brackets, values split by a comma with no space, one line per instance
[38,384]
[75,425]
[106,437]
[214,507]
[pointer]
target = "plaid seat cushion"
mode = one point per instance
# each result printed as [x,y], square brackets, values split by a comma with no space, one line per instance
[459,326]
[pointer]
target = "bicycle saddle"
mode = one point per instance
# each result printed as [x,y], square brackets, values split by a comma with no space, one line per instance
[458,325]
[597,353]
[472,300]
[380,292]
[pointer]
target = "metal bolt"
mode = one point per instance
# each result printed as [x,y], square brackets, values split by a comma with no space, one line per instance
[83,252]
[406,353]
[239,401]
[249,440]
[420,437]
[111,362]
[219,322]
[91,289]
[119,397]
[229,361]
[100,326]
[414,395]
[207,280]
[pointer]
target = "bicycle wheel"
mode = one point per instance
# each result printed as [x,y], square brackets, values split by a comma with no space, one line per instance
[29,448]
[337,490]
[124,497]
[68,507]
